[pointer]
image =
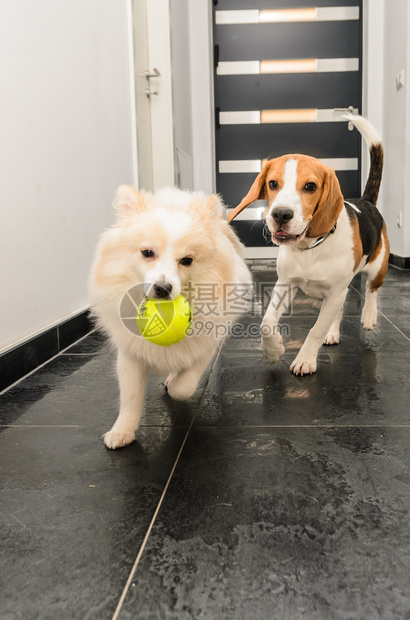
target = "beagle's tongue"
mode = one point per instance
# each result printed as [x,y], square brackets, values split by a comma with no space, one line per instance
[282,233]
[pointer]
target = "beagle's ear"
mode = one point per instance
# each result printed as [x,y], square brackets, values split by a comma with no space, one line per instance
[128,201]
[329,206]
[257,192]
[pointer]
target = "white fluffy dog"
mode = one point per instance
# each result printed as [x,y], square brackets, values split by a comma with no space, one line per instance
[166,244]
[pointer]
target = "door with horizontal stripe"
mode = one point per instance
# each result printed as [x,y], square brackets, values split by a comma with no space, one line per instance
[285,72]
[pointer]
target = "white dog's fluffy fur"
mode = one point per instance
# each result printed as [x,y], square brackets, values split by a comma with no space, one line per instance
[150,237]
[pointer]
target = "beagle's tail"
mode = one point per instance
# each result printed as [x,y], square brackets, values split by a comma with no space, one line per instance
[374,143]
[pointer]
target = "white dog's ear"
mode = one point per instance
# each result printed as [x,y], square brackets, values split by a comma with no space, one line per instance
[208,206]
[128,201]
[215,205]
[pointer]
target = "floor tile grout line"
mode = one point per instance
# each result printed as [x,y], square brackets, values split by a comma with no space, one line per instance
[201,425]
[284,426]
[89,426]
[294,315]
[9,387]
[204,425]
[161,500]
[66,353]
[149,530]
[384,316]
[395,326]
[44,426]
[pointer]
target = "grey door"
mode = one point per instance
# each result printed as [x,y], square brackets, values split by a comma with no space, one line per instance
[283,73]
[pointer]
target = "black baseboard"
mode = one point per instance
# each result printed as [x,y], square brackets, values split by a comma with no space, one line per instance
[26,357]
[401,262]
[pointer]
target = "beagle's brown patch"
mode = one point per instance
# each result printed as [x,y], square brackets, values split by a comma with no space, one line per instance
[384,246]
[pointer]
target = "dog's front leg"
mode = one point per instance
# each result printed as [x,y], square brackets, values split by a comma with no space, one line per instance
[183,384]
[132,377]
[272,343]
[305,361]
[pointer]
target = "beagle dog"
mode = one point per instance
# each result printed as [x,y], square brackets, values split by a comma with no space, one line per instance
[324,241]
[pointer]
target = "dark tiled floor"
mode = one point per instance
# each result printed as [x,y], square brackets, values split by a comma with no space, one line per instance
[289,500]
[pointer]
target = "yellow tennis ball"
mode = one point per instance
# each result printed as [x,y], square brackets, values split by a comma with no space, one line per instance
[164,321]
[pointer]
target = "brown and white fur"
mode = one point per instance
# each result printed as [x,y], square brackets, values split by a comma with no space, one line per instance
[305,204]
[171,242]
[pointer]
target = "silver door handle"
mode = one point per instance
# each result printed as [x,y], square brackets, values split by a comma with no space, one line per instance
[349,109]
[149,92]
[155,73]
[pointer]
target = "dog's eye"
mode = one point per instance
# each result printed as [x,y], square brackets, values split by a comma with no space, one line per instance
[273,185]
[310,187]
[186,261]
[147,253]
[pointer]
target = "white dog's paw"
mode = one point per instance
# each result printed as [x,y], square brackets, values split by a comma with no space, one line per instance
[303,365]
[273,348]
[118,439]
[333,337]
[182,386]
[369,318]
[180,391]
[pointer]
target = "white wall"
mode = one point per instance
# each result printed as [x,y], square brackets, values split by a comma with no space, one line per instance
[65,147]
[181,74]
[159,44]
[396,121]
[181,90]
[193,100]
[406,205]
[387,50]
[203,124]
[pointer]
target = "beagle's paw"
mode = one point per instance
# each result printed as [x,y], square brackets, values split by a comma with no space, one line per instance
[118,439]
[303,365]
[369,317]
[273,348]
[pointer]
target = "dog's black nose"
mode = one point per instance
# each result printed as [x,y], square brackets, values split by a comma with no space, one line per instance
[162,290]
[282,215]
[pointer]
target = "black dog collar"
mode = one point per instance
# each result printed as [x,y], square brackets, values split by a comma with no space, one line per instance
[320,240]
